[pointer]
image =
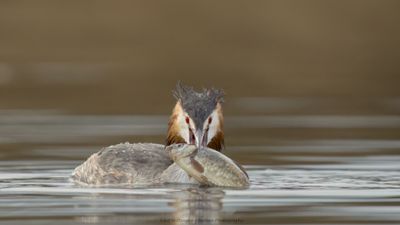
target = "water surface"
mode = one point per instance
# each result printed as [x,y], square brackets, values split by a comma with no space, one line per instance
[304,168]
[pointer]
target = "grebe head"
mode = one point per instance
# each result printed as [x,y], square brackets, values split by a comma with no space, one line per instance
[197,118]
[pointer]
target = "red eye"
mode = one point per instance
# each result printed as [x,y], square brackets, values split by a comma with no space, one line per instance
[209,120]
[187,120]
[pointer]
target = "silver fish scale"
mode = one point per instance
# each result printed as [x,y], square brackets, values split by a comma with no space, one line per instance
[218,168]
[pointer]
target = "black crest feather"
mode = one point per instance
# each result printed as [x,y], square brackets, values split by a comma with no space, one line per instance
[199,105]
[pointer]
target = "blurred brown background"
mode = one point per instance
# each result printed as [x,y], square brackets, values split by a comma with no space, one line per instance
[125,57]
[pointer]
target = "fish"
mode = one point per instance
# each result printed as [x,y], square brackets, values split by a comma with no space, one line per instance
[209,167]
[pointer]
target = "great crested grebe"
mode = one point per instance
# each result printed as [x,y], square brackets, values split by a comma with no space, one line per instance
[196,119]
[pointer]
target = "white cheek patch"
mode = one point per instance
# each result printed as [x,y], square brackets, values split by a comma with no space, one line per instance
[184,128]
[213,126]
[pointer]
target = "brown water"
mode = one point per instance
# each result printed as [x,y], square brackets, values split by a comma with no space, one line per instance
[304,168]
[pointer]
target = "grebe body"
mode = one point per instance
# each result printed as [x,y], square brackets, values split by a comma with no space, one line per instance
[196,119]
